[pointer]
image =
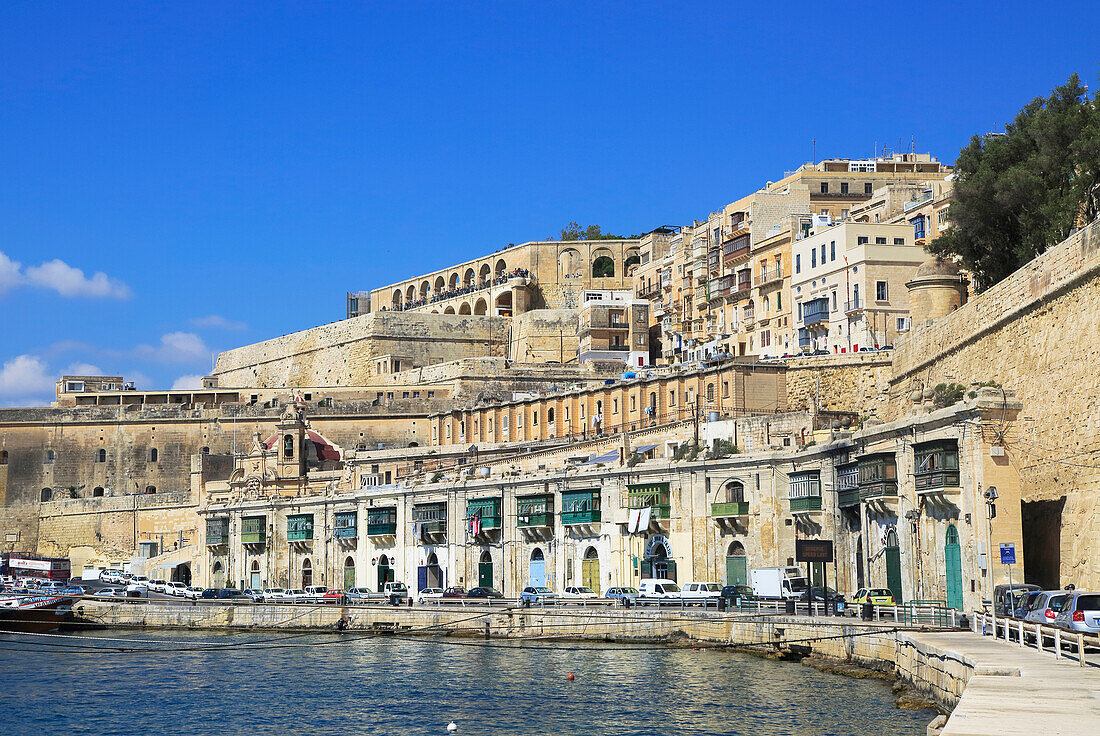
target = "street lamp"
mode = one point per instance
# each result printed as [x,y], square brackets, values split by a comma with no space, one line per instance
[990,495]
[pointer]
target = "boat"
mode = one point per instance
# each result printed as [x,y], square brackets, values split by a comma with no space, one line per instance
[33,613]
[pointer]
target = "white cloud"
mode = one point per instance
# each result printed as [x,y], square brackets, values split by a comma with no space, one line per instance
[24,380]
[176,347]
[68,280]
[82,369]
[187,383]
[10,274]
[218,322]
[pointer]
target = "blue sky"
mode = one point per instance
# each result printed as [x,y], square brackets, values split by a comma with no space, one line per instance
[181,178]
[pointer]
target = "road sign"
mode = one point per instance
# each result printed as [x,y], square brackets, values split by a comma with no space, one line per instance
[1008,554]
[813,550]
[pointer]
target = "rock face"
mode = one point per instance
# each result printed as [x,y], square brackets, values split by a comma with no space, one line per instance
[1037,334]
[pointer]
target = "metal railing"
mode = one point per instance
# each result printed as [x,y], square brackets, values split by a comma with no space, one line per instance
[1035,636]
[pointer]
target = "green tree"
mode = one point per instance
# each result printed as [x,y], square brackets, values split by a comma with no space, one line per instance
[573,231]
[1017,194]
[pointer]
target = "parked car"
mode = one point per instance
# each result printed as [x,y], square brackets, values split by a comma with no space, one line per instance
[579,591]
[338,597]
[736,593]
[175,588]
[819,594]
[658,589]
[229,594]
[192,592]
[455,591]
[209,594]
[312,594]
[274,595]
[111,593]
[1006,597]
[295,595]
[253,594]
[1081,612]
[874,596]
[428,595]
[157,585]
[1045,607]
[696,592]
[537,594]
[622,594]
[484,592]
[75,590]
[359,595]
[395,591]
[1023,605]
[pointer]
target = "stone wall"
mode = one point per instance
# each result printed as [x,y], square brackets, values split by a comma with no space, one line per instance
[348,352]
[851,382]
[1035,333]
[544,335]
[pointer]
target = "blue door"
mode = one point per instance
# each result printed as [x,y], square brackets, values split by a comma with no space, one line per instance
[952,557]
[538,569]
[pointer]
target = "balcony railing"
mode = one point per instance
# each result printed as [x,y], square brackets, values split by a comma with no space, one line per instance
[535,511]
[735,250]
[806,504]
[580,517]
[878,489]
[767,278]
[728,509]
[847,497]
[854,305]
[217,532]
[811,316]
[936,480]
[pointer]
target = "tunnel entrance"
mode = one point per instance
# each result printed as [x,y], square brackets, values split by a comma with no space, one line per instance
[1042,538]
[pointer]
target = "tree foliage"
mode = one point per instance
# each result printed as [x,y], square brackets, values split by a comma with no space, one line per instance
[1017,194]
[573,231]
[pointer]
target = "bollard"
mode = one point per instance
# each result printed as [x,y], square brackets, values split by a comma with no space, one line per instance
[867,612]
[1080,649]
[788,605]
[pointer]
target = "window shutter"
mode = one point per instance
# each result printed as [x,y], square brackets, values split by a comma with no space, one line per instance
[647,569]
[672,570]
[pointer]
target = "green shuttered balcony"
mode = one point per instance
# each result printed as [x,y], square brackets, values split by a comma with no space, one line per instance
[299,528]
[381,522]
[732,508]
[533,511]
[254,530]
[806,504]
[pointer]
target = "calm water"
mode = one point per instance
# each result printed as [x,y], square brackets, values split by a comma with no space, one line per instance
[379,686]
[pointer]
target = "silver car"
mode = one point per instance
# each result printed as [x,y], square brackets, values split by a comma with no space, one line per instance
[1046,606]
[1081,612]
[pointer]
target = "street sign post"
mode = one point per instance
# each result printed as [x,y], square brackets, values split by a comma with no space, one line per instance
[815,550]
[1008,559]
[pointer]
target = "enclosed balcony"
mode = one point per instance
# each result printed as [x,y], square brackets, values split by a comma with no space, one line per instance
[878,476]
[299,528]
[804,492]
[847,485]
[217,532]
[729,509]
[381,522]
[653,496]
[254,530]
[736,249]
[535,511]
[815,311]
[936,466]
[431,518]
[580,507]
[485,510]
[345,525]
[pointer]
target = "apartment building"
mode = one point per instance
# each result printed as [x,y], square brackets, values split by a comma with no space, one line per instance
[613,325]
[848,285]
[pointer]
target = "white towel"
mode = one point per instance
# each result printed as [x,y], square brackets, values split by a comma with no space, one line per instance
[643,520]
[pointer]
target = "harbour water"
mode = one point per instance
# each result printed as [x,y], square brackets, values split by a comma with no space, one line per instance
[136,684]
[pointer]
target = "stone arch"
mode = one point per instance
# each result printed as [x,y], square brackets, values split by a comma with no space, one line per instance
[464,308]
[504,304]
[440,285]
[97,491]
[484,274]
[307,573]
[633,258]
[51,456]
[570,264]
[453,283]
[396,301]
[480,307]
[435,311]
[410,294]
[501,268]
[150,489]
[468,277]
[603,263]
[536,554]
[449,310]
[736,549]
[734,491]
[425,287]
[46,495]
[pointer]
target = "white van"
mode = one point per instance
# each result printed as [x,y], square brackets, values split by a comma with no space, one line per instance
[658,588]
[701,592]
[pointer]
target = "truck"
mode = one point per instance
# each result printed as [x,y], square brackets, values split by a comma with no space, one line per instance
[778,582]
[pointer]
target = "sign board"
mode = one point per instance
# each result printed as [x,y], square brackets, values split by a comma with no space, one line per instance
[1008,554]
[813,550]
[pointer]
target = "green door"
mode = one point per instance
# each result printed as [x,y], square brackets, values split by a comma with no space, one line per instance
[893,565]
[952,559]
[349,576]
[485,574]
[385,575]
[737,570]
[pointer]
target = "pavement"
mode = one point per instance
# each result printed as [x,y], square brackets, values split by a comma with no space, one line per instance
[1016,690]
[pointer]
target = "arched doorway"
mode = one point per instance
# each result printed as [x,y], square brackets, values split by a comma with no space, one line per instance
[893,564]
[219,574]
[429,575]
[464,308]
[860,582]
[485,570]
[658,562]
[254,581]
[504,304]
[349,572]
[480,307]
[307,573]
[952,560]
[590,569]
[181,574]
[737,565]
[537,575]
[385,573]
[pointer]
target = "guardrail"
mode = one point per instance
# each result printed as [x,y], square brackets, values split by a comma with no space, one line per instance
[1035,636]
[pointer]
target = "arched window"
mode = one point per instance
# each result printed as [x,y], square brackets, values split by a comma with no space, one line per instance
[735,491]
[632,259]
[736,549]
[97,491]
[205,450]
[288,446]
[603,267]
[150,489]
[50,456]
[153,454]
[501,267]
[47,493]
[550,416]
[307,573]
[710,392]
[101,456]
[537,554]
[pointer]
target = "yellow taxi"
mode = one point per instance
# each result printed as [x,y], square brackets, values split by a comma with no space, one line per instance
[874,596]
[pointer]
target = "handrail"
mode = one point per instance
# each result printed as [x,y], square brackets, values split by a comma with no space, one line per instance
[985,624]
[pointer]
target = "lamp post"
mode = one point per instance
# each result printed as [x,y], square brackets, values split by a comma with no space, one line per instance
[990,496]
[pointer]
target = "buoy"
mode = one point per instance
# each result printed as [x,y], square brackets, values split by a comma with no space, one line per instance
[571,677]
[452,726]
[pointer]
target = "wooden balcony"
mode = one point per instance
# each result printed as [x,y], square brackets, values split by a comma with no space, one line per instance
[805,505]
[580,517]
[729,509]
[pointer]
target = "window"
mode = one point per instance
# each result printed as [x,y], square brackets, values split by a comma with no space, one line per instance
[778,267]
[431,394]
[614,406]
[843,187]
[765,338]
[672,398]
[855,294]
[389,395]
[813,258]
[918,227]
[50,456]
[725,389]
[153,454]
[779,301]
[880,291]
[535,419]
[834,301]
[798,263]
[868,188]
[899,241]
[880,241]
[100,456]
[903,324]
[633,403]
[861,240]
[404,394]
[205,450]
[832,250]
[822,254]
[824,187]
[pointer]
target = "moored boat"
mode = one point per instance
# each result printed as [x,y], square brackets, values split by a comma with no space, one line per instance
[33,613]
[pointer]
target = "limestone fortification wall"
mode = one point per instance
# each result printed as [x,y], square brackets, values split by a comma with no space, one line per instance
[544,335]
[1036,333]
[346,353]
[851,382]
